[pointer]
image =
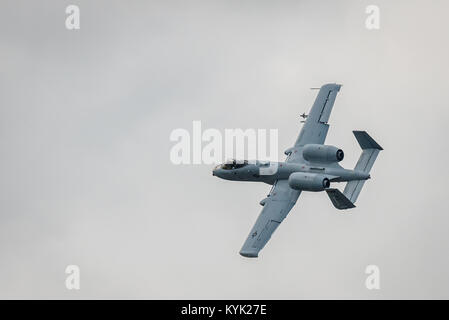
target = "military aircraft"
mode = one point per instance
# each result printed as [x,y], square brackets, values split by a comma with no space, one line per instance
[310,166]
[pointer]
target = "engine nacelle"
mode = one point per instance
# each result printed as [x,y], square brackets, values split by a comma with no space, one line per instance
[322,153]
[308,181]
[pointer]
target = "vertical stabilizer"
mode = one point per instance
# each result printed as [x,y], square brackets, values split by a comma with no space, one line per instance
[366,161]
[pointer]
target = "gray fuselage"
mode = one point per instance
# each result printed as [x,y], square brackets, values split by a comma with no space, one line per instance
[269,172]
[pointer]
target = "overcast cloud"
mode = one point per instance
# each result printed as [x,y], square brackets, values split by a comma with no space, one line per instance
[85,172]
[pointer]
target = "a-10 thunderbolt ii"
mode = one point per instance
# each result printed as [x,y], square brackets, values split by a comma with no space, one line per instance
[310,166]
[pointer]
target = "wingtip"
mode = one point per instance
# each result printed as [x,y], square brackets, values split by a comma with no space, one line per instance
[249,254]
[332,86]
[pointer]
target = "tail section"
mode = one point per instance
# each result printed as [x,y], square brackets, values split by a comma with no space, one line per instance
[365,141]
[339,200]
[369,154]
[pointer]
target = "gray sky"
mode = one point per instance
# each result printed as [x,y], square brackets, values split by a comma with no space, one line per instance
[86,177]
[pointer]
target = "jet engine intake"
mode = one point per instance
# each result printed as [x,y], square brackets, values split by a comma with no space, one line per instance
[322,153]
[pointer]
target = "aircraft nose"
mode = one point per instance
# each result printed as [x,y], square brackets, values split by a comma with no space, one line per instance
[215,171]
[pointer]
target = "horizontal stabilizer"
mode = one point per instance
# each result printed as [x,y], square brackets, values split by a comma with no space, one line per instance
[365,141]
[339,200]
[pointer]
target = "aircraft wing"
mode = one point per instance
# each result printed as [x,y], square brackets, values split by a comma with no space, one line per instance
[316,127]
[277,205]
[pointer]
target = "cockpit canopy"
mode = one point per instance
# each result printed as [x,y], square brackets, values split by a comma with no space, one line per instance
[233,164]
